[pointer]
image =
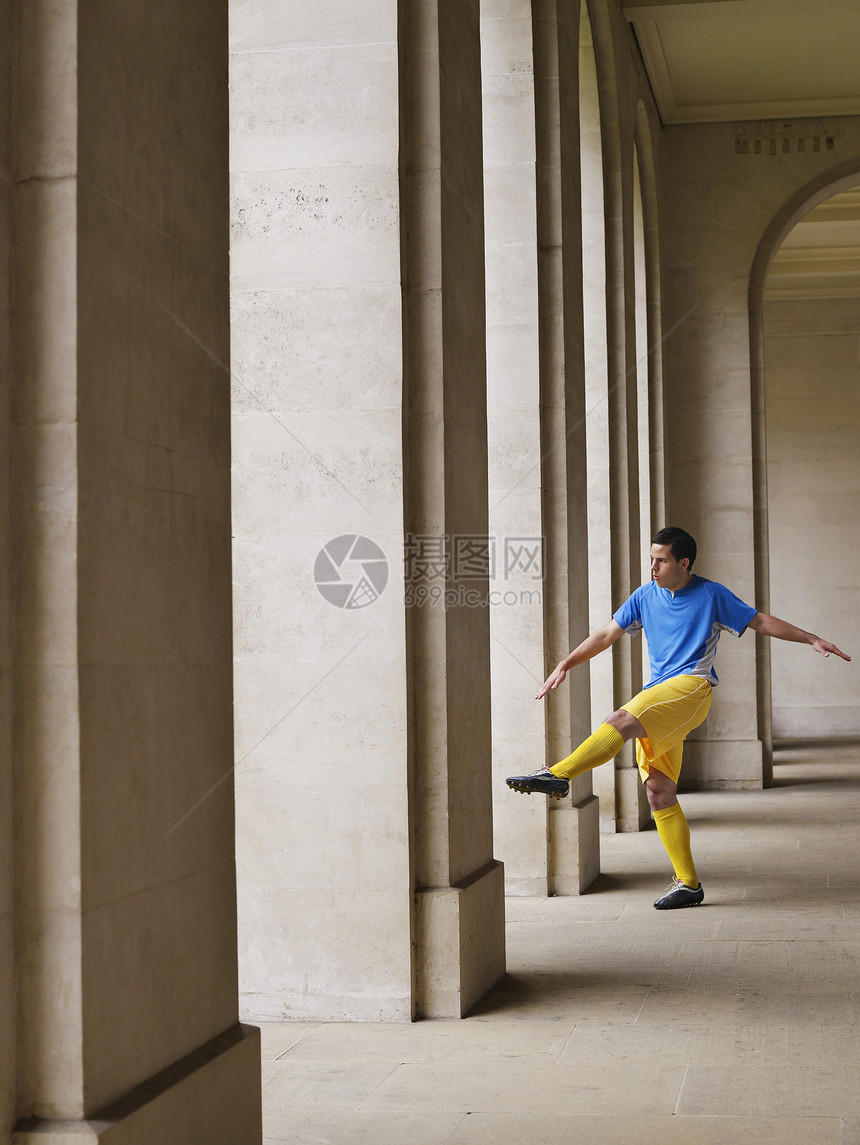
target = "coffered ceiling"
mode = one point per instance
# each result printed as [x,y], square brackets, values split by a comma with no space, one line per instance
[727,60]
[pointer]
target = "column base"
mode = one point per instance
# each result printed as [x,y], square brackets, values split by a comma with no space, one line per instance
[460,943]
[525,887]
[211,1095]
[723,765]
[574,847]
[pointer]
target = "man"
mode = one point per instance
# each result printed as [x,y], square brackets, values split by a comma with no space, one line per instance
[682,615]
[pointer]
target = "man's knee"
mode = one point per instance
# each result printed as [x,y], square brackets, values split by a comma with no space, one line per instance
[662,791]
[626,724]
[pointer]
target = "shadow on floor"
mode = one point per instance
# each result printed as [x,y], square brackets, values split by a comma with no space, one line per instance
[619,884]
[529,994]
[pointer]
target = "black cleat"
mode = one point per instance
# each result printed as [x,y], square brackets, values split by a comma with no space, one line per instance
[542,781]
[679,894]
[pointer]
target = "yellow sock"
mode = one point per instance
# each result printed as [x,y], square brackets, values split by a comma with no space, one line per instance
[601,746]
[674,832]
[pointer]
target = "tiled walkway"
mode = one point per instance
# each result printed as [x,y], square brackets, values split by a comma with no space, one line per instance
[732,1023]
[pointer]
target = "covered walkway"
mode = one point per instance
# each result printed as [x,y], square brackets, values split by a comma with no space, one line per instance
[732,1023]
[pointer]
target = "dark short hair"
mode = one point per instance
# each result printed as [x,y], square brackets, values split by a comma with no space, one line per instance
[681,543]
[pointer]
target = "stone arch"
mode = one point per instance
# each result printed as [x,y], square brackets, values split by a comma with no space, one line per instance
[817,190]
[824,186]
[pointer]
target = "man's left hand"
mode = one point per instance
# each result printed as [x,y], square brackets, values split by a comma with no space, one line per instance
[824,647]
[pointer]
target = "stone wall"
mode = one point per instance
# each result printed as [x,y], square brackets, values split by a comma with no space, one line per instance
[812,357]
[725,211]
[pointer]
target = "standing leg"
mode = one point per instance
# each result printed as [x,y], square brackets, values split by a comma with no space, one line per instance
[674,833]
[669,711]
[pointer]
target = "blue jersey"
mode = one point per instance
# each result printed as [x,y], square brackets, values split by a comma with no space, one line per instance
[683,629]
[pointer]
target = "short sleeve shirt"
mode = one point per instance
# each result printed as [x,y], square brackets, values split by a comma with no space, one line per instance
[683,629]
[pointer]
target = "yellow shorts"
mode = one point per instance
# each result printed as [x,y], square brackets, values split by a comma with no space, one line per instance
[668,712]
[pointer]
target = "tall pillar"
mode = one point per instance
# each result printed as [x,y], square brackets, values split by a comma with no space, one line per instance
[761,531]
[536,439]
[651,344]
[513,408]
[322,801]
[123,863]
[600,597]
[631,807]
[360,435]
[8,1018]
[459,888]
[573,836]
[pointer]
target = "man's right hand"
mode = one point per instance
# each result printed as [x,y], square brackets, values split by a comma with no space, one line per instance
[552,681]
[596,642]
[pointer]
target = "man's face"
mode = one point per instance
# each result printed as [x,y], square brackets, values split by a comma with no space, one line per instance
[668,572]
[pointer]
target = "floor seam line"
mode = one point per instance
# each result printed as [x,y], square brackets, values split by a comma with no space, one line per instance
[536,953]
[642,1007]
[455,1130]
[382,1082]
[301,1038]
[564,1047]
[680,1092]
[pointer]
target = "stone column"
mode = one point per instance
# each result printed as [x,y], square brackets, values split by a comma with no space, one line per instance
[601,603]
[8,1018]
[761,537]
[124,872]
[459,920]
[518,656]
[359,430]
[573,837]
[631,806]
[322,801]
[536,442]
[652,343]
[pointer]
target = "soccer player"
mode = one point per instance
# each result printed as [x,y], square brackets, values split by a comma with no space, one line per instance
[682,615]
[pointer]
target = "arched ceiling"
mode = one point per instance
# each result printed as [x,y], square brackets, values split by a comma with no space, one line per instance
[711,61]
[820,258]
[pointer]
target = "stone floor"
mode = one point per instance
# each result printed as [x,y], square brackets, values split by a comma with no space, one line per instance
[617,1024]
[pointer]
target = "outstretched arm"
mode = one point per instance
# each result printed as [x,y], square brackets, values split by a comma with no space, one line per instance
[598,641]
[782,630]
